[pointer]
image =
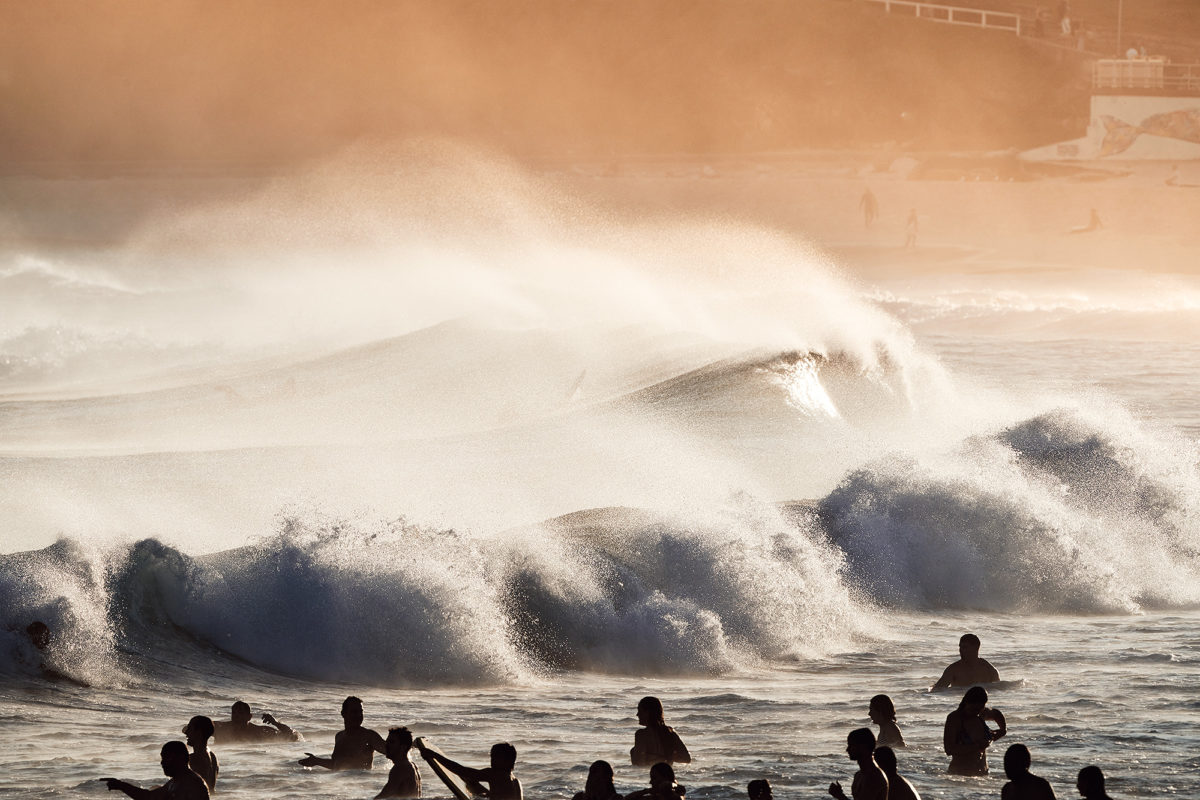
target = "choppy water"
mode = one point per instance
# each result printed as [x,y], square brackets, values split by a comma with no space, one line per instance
[503,466]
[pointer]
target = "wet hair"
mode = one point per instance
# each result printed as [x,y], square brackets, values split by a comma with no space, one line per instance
[971,640]
[1017,761]
[976,694]
[662,771]
[884,704]
[201,726]
[862,737]
[654,706]
[601,769]
[240,705]
[504,754]
[351,702]
[1091,778]
[885,757]
[600,780]
[759,787]
[399,737]
[175,750]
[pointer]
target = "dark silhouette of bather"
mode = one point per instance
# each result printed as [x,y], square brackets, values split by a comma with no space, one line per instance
[970,669]
[967,736]
[759,789]
[239,728]
[869,782]
[1090,784]
[184,784]
[354,747]
[403,779]
[204,763]
[599,784]
[656,741]
[883,713]
[662,785]
[502,782]
[1023,784]
[898,786]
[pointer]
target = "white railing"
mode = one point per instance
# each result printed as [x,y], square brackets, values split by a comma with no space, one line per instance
[1145,73]
[954,15]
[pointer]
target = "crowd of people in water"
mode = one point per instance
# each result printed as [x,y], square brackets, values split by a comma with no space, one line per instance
[967,736]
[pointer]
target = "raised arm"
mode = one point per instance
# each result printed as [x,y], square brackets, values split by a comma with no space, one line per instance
[284,729]
[464,772]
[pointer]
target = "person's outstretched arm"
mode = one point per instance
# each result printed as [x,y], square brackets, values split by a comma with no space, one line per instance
[310,760]
[136,792]
[464,772]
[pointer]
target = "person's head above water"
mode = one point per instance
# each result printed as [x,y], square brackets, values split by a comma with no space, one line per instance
[885,757]
[199,730]
[1090,782]
[504,756]
[860,743]
[1017,761]
[39,634]
[240,712]
[976,698]
[662,773]
[174,758]
[759,789]
[650,711]
[352,711]
[968,646]
[399,742]
[881,706]
[600,779]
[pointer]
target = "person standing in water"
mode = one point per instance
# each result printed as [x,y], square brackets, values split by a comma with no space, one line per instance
[354,747]
[898,786]
[911,227]
[869,782]
[501,780]
[656,741]
[970,669]
[239,728]
[883,713]
[599,784]
[1023,784]
[203,762]
[403,780]
[662,785]
[967,737]
[184,784]
[1090,784]
[870,207]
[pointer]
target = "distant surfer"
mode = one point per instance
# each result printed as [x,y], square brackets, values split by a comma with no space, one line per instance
[869,782]
[1023,784]
[1090,784]
[354,747]
[898,786]
[239,728]
[870,207]
[184,784]
[599,784]
[1094,223]
[970,669]
[967,736]
[403,780]
[502,782]
[662,785]
[41,639]
[883,713]
[202,761]
[759,789]
[656,741]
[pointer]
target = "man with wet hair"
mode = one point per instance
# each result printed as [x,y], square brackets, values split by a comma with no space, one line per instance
[1091,784]
[354,747]
[239,728]
[1023,784]
[184,784]
[967,737]
[869,782]
[970,669]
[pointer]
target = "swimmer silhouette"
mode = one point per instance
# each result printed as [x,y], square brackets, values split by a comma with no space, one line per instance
[354,747]
[1091,784]
[403,780]
[898,786]
[239,728]
[883,713]
[662,785]
[599,784]
[198,731]
[502,782]
[966,736]
[970,669]
[1023,784]
[184,784]
[869,782]
[656,741]
[759,789]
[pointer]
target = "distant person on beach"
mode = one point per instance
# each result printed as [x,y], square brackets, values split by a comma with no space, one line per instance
[967,737]
[759,789]
[911,228]
[354,747]
[502,782]
[662,785]
[1094,223]
[599,784]
[883,713]
[656,741]
[239,728]
[184,784]
[1173,178]
[204,763]
[970,669]
[403,779]
[1023,784]
[870,207]
[898,786]
[1091,784]
[869,782]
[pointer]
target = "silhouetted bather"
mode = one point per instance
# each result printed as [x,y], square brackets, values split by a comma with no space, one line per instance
[599,784]
[204,763]
[656,742]
[662,785]
[970,669]
[354,747]
[502,782]
[239,728]
[869,782]
[966,736]
[184,784]
[898,786]
[1022,784]
[759,789]
[883,713]
[1091,784]
[403,780]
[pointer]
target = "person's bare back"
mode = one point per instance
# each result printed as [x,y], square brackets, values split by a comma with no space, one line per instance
[970,669]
